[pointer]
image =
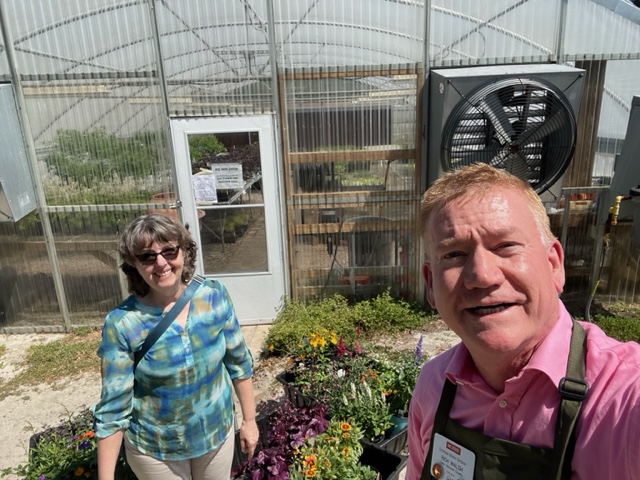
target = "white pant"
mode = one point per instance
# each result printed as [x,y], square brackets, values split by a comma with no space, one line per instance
[214,465]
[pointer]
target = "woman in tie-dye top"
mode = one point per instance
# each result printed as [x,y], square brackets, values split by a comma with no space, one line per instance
[176,411]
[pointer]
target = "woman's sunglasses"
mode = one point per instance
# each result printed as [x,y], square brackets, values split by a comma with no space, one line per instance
[149,258]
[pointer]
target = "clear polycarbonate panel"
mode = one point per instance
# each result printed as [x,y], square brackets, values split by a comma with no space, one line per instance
[325,33]
[86,251]
[106,37]
[602,29]
[352,182]
[97,143]
[216,57]
[493,32]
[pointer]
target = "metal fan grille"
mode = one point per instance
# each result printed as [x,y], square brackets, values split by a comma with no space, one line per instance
[523,125]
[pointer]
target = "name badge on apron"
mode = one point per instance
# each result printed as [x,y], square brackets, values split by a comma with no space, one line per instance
[451,461]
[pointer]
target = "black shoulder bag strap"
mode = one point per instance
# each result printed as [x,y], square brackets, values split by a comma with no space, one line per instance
[168,319]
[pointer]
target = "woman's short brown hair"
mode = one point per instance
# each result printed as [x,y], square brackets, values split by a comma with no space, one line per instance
[142,232]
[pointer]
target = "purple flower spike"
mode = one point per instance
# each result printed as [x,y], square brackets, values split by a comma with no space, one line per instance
[419,351]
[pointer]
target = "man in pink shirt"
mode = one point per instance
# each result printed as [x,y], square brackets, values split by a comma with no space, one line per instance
[529,393]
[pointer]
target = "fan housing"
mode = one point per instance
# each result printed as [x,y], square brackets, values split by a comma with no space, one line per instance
[520,118]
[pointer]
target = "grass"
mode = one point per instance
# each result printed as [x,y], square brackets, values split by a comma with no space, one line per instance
[66,358]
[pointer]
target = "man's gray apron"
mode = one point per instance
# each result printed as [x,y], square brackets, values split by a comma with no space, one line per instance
[497,459]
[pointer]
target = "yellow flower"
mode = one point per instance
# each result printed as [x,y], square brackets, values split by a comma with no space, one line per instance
[79,471]
[271,347]
[310,472]
[345,435]
[322,341]
[345,451]
[333,339]
[326,463]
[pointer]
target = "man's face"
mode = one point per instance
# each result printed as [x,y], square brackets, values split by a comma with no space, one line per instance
[489,274]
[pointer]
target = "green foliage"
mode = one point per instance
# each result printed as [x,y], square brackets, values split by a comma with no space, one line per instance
[623,329]
[202,146]
[86,158]
[332,454]
[365,407]
[66,451]
[298,320]
[386,313]
[398,373]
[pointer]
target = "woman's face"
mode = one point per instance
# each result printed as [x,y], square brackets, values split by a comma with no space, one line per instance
[161,266]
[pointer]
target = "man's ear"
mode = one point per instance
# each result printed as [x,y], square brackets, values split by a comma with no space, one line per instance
[556,261]
[428,280]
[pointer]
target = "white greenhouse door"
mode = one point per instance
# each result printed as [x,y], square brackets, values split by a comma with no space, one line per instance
[228,184]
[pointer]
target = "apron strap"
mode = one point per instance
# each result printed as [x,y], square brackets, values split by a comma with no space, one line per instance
[573,390]
[442,415]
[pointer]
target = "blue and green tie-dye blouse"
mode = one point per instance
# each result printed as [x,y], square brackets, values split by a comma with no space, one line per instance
[181,404]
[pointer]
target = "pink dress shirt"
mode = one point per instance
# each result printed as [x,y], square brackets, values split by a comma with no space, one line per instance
[607,433]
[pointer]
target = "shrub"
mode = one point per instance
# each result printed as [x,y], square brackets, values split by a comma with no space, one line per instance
[387,313]
[623,329]
[298,320]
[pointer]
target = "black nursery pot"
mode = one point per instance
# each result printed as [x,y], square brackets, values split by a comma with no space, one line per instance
[388,464]
[296,397]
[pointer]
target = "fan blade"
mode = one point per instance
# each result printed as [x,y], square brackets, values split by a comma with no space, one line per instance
[517,165]
[497,116]
[536,132]
[486,155]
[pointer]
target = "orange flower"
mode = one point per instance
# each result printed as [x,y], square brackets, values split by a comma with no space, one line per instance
[78,472]
[310,472]
[309,461]
[345,427]
[345,451]
[345,435]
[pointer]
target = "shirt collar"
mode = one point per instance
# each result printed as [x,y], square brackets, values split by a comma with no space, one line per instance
[550,357]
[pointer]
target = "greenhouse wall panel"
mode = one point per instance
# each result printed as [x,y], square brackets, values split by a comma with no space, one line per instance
[98,84]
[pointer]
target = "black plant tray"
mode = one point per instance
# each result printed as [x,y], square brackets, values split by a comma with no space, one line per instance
[389,464]
[238,456]
[393,443]
[298,398]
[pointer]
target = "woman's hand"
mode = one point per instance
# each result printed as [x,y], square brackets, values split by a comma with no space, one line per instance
[249,429]
[249,437]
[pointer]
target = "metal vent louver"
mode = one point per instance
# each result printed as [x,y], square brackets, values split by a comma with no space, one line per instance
[526,126]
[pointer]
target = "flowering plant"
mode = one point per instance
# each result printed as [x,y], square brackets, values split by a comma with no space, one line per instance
[366,408]
[66,452]
[398,374]
[334,454]
[289,427]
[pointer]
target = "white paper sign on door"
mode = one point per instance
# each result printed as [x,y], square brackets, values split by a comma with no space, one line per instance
[204,188]
[228,175]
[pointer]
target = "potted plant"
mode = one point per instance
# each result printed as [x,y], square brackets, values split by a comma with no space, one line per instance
[333,454]
[288,427]
[67,450]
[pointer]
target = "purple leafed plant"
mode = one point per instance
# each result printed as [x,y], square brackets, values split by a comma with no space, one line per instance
[289,428]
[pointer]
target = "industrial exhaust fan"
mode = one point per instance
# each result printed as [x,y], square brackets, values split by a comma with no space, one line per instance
[520,118]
